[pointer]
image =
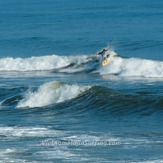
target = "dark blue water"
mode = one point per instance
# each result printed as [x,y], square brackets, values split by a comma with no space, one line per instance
[58,104]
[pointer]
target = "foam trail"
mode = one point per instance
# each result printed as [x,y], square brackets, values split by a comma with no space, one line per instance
[134,67]
[48,62]
[50,93]
[27,131]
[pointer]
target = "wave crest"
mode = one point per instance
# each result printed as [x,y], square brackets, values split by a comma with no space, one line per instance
[51,93]
[40,63]
[134,67]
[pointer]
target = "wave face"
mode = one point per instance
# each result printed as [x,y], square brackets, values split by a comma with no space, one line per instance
[115,102]
[51,93]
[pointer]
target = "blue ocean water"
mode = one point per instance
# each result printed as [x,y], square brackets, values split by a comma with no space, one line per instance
[58,104]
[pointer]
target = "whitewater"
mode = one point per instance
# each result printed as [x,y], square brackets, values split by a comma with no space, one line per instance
[70,64]
[58,104]
[51,93]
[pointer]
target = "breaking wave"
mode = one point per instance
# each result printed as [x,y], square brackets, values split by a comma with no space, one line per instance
[134,67]
[74,64]
[49,62]
[51,93]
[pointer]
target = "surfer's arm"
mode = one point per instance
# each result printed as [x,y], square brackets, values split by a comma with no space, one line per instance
[95,54]
[108,48]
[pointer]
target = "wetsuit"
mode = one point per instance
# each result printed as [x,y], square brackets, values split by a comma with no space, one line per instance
[102,53]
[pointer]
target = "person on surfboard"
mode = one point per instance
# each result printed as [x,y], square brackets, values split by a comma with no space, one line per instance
[106,57]
[103,52]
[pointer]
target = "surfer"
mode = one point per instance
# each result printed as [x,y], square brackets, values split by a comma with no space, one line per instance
[106,56]
[103,53]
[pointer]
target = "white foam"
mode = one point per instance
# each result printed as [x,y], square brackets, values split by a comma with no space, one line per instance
[50,93]
[134,67]
[27,131]
[56,154]
[7,151]
[5,156]
[153,161]
[72,69]
[40,63]
[10,155]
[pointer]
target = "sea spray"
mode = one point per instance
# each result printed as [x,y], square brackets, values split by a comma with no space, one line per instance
[134,67]
[50,93]
[47,62]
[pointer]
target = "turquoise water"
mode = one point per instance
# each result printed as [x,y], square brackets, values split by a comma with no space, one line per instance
[58,104]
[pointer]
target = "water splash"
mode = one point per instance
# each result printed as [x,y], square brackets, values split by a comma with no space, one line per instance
[50,93]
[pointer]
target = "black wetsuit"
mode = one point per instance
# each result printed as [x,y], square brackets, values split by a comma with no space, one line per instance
[102,53]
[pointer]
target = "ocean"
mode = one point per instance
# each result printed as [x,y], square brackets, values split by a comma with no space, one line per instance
[59,104]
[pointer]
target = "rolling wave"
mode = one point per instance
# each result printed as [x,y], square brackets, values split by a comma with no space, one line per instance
[134,67]
[100,97]
[51,93]
[50,62]
[119,66]
[74,64]
[65,95]
[119,104]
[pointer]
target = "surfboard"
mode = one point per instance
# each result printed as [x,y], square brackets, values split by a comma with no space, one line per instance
[108,60]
